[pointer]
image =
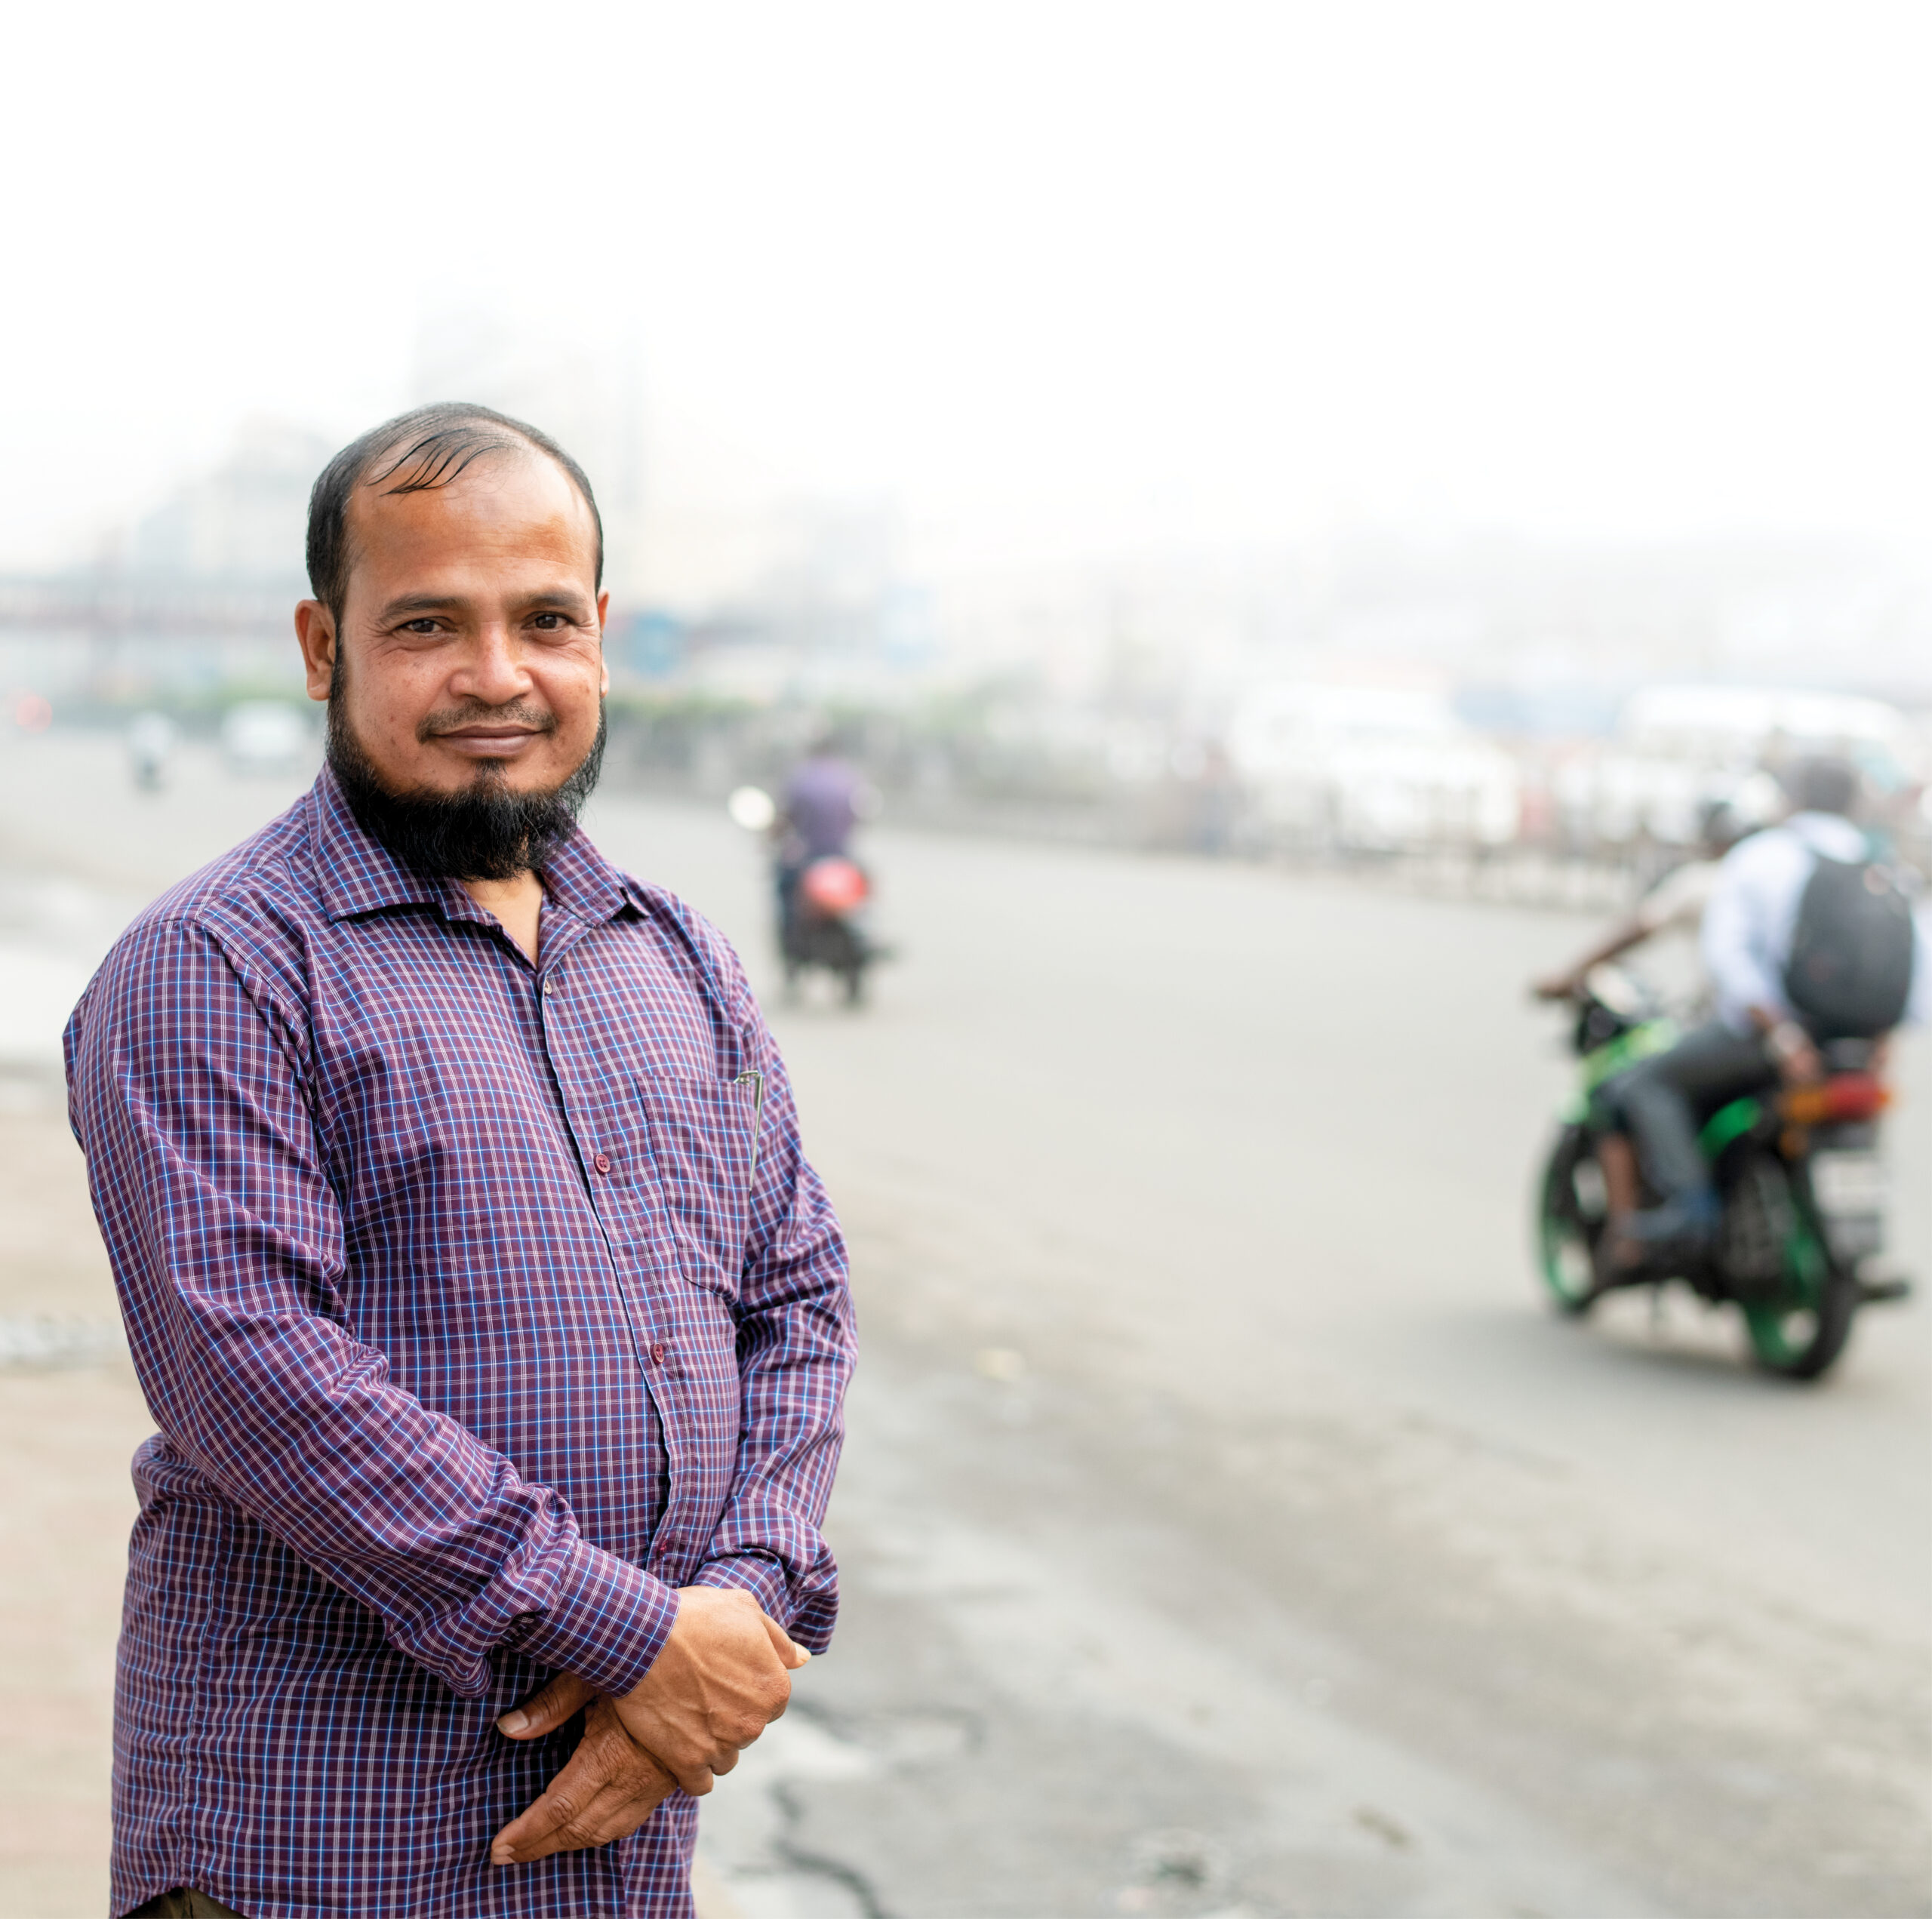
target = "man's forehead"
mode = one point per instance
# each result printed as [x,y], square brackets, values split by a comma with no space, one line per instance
[511,498]
[501,482]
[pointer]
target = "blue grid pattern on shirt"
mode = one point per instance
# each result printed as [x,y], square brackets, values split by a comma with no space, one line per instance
[479,1306]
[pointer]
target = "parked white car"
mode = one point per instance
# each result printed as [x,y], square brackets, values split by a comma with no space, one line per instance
[265,736]
[1734,727]
[1371,770]
[1678,747]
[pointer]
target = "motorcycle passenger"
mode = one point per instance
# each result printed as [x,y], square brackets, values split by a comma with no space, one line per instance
[1805,941]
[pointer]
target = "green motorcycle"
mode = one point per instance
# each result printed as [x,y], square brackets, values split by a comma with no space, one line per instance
[1796,1169]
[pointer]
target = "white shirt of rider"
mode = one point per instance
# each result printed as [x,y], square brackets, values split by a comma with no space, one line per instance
[1752,915]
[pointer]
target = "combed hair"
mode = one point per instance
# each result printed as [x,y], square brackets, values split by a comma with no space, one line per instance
[415,452]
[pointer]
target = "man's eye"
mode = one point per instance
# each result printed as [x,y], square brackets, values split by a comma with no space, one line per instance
[548,623]
[419,626]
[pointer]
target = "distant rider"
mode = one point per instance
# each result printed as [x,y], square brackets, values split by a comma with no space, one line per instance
[825,798]
[1674,905]
[1806,941]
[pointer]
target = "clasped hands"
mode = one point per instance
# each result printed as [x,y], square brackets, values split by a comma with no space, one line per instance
[723,1675]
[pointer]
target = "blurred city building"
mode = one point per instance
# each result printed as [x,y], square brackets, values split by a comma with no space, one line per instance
[1364,698]
[187,607]
[243,522]
[586,394]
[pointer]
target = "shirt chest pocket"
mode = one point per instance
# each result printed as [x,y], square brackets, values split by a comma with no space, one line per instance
[701,1137]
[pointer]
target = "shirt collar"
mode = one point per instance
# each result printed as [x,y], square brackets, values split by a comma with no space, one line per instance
[357,874]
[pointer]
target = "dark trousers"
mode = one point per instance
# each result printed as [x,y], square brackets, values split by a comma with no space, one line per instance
[786,875]
[182,1904]
[1664,1101]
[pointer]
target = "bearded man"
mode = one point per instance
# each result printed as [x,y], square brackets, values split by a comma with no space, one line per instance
[496,1331]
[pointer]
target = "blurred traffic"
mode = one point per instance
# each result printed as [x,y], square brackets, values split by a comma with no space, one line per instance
[1389,779]
[1202,1202]
[1197,1216]
[1227,606]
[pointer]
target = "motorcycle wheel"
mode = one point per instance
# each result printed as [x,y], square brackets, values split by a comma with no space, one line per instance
[1801,1330]
[1570,1216]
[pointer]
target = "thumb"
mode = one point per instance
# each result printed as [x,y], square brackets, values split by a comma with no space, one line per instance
[545,1711]
[788,1651]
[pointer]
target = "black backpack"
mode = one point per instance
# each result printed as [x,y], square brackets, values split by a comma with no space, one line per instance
[1850,972]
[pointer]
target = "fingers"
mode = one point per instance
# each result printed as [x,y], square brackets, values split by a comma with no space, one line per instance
[570,1821]
[609,1787]
[790,1653]
[721,1677]
[552,1823]
[545,1711]
[690,1763]
[696,1777]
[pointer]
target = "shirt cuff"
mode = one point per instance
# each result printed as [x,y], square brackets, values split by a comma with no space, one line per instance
[607,1621]
[751,1572]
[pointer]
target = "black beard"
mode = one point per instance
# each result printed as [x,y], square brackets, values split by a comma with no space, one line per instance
[485,832]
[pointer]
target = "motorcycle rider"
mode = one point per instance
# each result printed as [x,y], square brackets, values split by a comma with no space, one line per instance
[825,799]
[1805,941]
[1675,904]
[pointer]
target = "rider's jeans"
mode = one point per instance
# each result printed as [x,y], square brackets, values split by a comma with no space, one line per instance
[1665,1100]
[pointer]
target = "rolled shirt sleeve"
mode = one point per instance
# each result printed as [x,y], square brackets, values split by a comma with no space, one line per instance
[190,1080]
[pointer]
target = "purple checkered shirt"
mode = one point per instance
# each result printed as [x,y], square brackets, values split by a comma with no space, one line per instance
[480,1305]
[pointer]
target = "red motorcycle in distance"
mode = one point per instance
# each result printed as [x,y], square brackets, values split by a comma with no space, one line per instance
[821,908]
[823,925]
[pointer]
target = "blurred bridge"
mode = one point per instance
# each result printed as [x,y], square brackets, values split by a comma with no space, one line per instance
[105,605]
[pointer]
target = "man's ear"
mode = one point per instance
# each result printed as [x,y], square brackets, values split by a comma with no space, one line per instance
[314,633]
[603,615]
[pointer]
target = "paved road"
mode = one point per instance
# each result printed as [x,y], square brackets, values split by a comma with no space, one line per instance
[1227,1530]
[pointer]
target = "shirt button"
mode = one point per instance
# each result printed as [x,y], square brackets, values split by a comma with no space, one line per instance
[657,1350]
[602,1162]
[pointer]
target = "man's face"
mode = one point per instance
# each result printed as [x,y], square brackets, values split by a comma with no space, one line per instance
[472,632]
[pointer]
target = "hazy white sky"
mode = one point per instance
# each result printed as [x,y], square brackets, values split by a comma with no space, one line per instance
[1061,278]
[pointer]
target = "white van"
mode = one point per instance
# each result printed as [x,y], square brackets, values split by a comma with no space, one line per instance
[265,736]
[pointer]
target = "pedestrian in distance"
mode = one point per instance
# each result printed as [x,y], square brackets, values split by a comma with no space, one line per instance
[495,1327]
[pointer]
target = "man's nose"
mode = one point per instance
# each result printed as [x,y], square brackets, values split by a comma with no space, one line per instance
[490,672]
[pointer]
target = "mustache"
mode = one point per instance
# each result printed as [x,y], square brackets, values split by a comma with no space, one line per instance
[483,832]
[474,712]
